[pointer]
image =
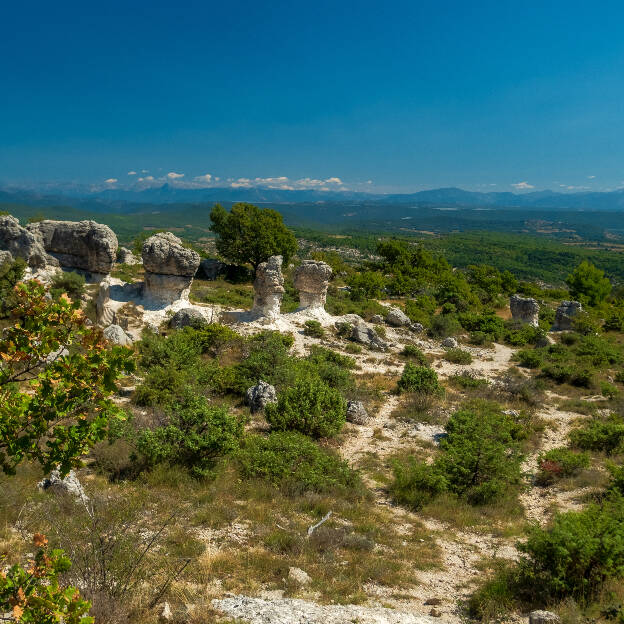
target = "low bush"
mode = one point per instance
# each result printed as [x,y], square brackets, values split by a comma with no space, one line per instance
[605,434]
[529,358]
[458,356]
[416,483]
[313,329]
[443,325]
[296,464]
[559,463]
[415,354]
[310,407]
[467,380]
[421,379]
[70,283]
[10,274]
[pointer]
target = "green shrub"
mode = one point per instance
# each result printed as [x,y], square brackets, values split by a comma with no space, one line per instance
[314,329]
[489,324]
[519,336]
[10,274]
[559,463]
[588,284]
[458,356]
[195,436]
[421,379]
[297,465]
[414,353]
[310,407]
[466,380]
[600,434]
[443,325]
[416,483]
[608,390]
[344,330]
[70,282]
[529,358]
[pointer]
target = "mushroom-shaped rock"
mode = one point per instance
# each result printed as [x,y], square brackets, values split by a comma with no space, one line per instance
[268,288]
[356,413]
[188,317]
[85,245]
[260,395]
[397,318]
[564,315]
[66,485]
[169,268]
[524,310]
[21,243]
[311,280]
[117,335]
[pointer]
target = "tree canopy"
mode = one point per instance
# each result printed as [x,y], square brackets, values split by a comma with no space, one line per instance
[248,234]
[588,284]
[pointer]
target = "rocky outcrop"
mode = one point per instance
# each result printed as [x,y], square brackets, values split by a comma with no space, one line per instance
[268,288]
[169,268]
[84,245]
[524,310]
[367,336]
[356,413]
[311,280]
[449,343]
[68,485]
[5,257]
[377,319]
[117,335]
[125,256]
[260,395]
[211,269]
[188,317]
[397,318]
[566,312]
[543,617]
[21,243]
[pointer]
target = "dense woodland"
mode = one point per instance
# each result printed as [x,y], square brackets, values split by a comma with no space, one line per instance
[192,495]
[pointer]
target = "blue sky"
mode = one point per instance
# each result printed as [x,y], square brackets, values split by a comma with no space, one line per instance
[386,96]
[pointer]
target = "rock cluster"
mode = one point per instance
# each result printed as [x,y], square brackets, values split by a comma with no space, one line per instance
[84,245]
[169,268]
[524,310]
[260,395]
[311,280]
[566,311]
[268,288]
[397,318]
[367,336]
[22,243]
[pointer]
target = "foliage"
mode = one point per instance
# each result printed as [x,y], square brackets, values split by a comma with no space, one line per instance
[604,434]
[444,325]
[415,354]
[529,358]
[70,283]
[296,464]
[421,379]
[54,405]
[10,274]
[314,329]
[588,284]
[558,463]
[251,234]
[195,435]
[416,483]
[366,285]
[311,407]
[458,356]
[34,594]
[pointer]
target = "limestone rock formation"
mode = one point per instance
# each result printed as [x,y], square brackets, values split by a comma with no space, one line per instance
[311,280]
[367,336]
[210,269]
[188,317]
[169,268]
[449,343]
[356,413]
[566,311]
[260,395]
[85,245]
[117,335]
[524,310]
[268,288]
[125,256]
[67,485]
[5,257]
[543,617]
[299,576]
[22,243]
[377,319]
[397,318]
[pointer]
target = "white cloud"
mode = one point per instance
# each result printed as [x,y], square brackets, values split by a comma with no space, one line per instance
[132,172]
[144,171]
[111,180]
[522,186]
[146,179]
[172,175]
[204,178]
[591,177]
[334,181]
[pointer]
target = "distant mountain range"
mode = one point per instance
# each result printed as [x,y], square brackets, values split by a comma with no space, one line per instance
[123,200]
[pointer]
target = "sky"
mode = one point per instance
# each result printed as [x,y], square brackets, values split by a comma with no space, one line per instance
[386,97]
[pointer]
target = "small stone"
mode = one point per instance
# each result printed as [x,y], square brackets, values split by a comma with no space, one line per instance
[297,575]
[417,328]
[356,413]
[164,613]
[435,613]
[67,485]
[188,317]
[543,617]
[377,319]
[125,256]
[117,335]
[260,395]
[367,336]
[449,343]
[397,318]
